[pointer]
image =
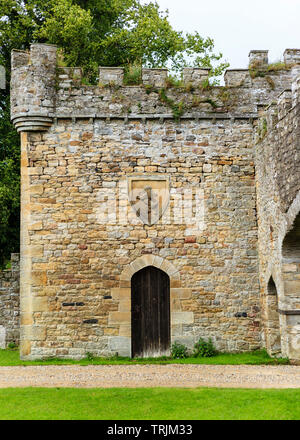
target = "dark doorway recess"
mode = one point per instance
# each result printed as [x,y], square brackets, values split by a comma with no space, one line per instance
[273,322]
[150,313]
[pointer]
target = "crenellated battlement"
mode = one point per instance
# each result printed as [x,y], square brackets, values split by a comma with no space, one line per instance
[42,91]
[284,104]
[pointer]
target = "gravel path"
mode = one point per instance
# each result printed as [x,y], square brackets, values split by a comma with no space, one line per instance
[136,376]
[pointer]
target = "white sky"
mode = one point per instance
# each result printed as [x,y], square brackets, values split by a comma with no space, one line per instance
[237,26]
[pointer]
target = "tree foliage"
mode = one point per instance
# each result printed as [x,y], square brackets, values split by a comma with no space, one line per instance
[9,184]
[90,33]
[104,32]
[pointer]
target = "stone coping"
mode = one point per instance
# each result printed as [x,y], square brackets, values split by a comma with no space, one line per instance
[145,116]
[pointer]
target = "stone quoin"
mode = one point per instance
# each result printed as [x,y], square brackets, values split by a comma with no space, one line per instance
[218,170]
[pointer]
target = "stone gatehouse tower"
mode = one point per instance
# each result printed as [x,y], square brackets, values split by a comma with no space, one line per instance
[154,213]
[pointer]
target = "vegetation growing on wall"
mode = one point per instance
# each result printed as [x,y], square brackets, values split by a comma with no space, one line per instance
[176,107]
[133,75]
[257,70]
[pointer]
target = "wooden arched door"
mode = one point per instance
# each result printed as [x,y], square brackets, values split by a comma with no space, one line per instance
[150,313]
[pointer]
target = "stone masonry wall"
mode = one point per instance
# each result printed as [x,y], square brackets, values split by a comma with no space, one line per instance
[79,261]
[278,199]
[81,156]
[10,303]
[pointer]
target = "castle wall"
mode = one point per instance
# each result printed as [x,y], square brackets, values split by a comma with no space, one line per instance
[10,304]
[278,200]
[81,239]
[80,258]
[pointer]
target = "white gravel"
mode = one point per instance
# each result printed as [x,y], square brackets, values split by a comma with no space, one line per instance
[136,376]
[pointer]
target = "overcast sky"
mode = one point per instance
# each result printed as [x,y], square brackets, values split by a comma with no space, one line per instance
[237,26]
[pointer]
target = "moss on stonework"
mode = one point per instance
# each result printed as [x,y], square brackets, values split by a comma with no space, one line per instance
[176,107]
[262,129]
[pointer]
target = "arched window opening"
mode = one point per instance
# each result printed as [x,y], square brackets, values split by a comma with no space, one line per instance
[272,287]
[291,243]
[291,262]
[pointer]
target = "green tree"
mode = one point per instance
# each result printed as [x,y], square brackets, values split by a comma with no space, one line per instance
[90,33]
[9,184]
[103,32]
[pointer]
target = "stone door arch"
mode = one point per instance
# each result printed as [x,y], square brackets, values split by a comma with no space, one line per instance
[273,334]
[120,319]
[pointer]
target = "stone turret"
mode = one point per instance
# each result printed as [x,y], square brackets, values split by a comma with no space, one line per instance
[33,91]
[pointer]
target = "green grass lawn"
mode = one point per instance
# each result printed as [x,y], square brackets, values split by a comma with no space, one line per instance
[11,357]
[148,404]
